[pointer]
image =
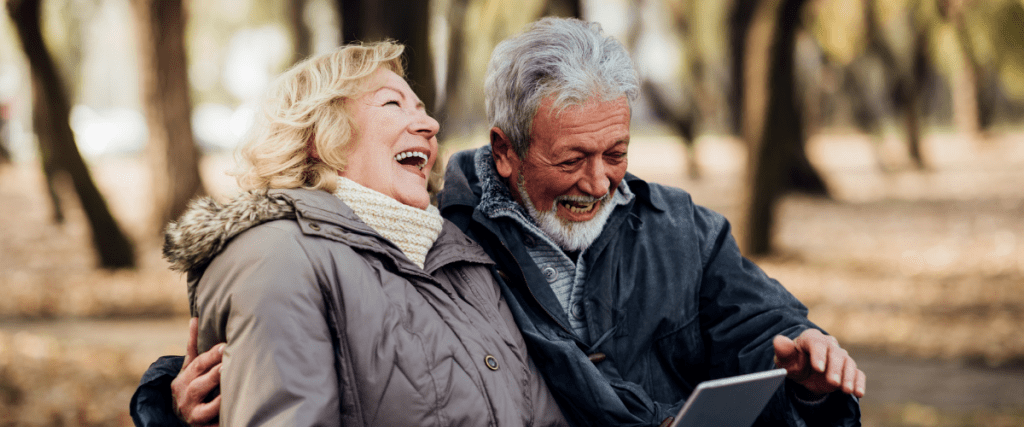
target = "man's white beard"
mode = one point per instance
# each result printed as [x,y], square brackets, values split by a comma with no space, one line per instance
[569,235]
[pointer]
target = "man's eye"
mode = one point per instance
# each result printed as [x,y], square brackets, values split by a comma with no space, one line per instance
[392,102]
[571,162]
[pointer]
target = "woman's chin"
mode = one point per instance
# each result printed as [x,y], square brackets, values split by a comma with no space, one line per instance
[420,200]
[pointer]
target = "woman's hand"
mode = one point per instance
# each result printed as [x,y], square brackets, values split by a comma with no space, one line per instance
[200,375]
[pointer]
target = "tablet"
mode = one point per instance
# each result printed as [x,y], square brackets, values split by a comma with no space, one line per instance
[734,401]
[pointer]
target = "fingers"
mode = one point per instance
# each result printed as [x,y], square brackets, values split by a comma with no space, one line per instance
[206,414]
[831,367]
[195,381]
[192,346]
[843,373]
[788,355]
[861,384]
[201,387]
[189,396]
[204,362]
[200,412]
[837,361]
[816,344]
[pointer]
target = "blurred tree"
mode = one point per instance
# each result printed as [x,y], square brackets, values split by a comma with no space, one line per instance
[5,153]
[456,15]
[404,21]
[971,20]
[906,70]
[57,148]
[741,18]
[65,22]
[302,38]
[563,8]
[474,28]
[1005,34]
[772,125]
[909,74]
[681,113]
[171,150]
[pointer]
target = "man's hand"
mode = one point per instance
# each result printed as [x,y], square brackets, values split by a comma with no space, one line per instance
[817,362]
[199,375]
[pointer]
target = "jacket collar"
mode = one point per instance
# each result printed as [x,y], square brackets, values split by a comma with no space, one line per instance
[208,226]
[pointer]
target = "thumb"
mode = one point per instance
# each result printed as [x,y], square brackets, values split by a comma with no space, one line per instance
[787,354]
[192,346]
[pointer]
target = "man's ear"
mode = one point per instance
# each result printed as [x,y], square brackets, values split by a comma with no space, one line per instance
[505,158]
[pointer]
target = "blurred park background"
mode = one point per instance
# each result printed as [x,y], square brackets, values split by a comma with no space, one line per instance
[869,154]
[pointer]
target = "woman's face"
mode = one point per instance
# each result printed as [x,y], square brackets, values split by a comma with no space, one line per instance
[393,144]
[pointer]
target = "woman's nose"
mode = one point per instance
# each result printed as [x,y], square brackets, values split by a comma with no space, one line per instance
[425,125]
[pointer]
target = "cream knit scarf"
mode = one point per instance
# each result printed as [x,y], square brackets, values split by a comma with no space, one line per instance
[413,230]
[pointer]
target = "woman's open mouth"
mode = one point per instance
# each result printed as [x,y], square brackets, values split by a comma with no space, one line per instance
[412,158]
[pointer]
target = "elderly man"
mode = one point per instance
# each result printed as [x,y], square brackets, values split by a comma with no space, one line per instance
[627,293]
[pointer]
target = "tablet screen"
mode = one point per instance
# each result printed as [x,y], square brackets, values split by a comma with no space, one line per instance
[734,401]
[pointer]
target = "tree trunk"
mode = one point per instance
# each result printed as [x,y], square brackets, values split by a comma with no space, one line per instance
[404,21]
[778,161]
[171,150]
[5,153]
[741,18]
[907,85]
[57,147]
[563,8]
[352,20]
[913,98]
[302,38]
[453,70]
[969,108]
[683,122]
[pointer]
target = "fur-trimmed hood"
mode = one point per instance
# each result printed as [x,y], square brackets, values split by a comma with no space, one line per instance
[191,242]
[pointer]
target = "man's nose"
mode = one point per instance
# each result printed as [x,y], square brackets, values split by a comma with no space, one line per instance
[595,183]
[425,125]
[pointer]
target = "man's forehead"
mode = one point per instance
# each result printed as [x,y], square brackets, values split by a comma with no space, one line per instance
[596,120]
[550,107]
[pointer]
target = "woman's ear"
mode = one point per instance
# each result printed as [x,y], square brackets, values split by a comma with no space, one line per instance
[505,158]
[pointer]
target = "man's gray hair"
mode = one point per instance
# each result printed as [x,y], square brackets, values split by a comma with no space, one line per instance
[564,58]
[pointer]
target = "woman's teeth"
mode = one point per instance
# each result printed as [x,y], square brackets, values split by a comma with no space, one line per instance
[418,159]
[579,207]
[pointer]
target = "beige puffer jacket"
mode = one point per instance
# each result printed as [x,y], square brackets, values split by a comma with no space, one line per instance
[328,323]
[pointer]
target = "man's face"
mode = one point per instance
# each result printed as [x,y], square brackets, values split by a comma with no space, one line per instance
[577,158]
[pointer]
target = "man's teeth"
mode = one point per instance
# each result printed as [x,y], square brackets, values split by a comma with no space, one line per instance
[580,207]
[407,154]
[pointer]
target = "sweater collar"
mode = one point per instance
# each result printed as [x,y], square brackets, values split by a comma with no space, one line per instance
[413,230]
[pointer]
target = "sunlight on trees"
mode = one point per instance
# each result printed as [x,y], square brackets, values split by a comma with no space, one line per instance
[839,27]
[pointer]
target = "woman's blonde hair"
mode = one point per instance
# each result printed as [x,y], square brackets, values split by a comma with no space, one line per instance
[301,137]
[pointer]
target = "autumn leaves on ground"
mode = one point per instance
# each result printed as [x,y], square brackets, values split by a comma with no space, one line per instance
[922,265]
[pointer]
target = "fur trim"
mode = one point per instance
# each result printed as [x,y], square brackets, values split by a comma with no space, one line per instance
[191,242]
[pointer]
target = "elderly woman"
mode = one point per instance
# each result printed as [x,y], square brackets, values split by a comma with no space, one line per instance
[342,295]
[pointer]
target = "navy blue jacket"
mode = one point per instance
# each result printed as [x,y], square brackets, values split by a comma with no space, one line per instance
[670,302]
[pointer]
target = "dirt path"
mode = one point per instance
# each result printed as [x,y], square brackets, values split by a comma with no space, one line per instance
[894,380]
